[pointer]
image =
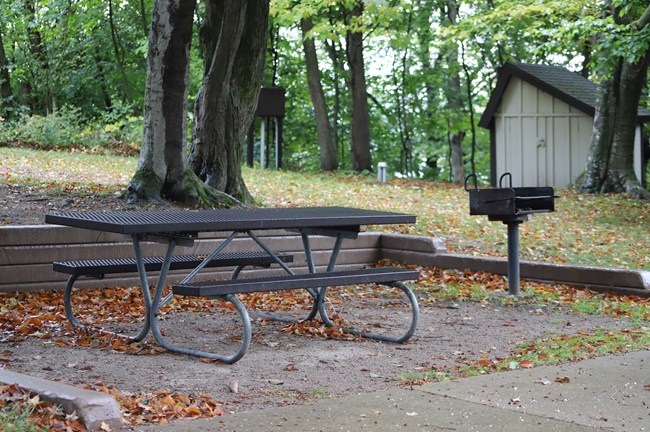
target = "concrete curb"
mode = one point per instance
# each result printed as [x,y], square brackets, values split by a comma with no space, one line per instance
[621,281]
[430,252]
[96,410]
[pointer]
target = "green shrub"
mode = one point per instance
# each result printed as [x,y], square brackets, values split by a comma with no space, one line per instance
[57,130]
[114,132]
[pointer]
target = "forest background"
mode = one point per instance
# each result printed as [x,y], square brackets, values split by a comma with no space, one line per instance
[72,72]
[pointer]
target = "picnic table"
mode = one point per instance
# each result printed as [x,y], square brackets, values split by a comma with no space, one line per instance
[181,228]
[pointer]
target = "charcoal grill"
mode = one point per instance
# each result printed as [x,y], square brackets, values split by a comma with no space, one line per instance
[512,206]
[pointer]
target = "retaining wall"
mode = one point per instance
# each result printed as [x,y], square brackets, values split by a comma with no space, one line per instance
[27,253]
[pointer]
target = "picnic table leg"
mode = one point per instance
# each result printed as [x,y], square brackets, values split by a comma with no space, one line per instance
[415,318]
[322,292]
[144,287]
[67,301]
[67,296]
[69,312]
[415,309]
[155,309]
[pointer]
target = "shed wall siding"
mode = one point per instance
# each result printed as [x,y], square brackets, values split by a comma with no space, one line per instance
[540,140]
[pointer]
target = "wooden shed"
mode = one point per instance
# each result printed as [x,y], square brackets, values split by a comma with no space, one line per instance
[540,120]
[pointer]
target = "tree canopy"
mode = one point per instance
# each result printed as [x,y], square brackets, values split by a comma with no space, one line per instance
[428,69]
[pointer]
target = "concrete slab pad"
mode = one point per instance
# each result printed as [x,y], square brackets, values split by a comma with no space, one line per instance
[391,410]
[607,392]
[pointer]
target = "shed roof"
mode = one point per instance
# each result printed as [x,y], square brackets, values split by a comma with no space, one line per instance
[569,87]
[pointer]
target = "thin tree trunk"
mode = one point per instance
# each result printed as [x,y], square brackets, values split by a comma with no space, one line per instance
[119,52]
[328,156]
[399,79]
[425,40]
[37,49]
[470,104]
[455,104]
[6,98]
[360,118]
[101,79]
[335,51]
[143,17]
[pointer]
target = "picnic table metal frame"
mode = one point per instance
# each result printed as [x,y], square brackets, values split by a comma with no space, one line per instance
[181,228]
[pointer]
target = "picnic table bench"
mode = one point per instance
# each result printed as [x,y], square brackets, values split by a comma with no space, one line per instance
[100,267]
[181,227]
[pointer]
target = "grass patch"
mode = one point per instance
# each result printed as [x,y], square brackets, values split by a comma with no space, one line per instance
[318,393]
[454,285]
[561,349]
[17,418]
[544,351]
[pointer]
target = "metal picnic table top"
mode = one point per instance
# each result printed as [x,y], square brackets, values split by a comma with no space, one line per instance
[178,221]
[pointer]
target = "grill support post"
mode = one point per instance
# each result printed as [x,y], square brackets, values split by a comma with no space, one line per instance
[513,257]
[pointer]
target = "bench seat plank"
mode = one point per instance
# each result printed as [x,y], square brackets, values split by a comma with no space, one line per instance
[310,280]
[101,267]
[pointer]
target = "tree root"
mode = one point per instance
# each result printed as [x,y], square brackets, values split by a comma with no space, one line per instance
[188,190]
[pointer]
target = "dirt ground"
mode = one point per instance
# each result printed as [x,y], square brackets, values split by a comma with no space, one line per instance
[282,368]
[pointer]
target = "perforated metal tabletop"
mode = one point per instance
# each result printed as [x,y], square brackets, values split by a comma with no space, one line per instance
[179,221]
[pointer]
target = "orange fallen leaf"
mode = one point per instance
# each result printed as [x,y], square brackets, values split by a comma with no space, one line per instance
[526,364]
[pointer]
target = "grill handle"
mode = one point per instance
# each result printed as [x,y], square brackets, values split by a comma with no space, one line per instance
[509,180]
[475,182]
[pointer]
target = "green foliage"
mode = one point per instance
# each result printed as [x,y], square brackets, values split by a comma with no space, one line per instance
[75,53]
[67,129]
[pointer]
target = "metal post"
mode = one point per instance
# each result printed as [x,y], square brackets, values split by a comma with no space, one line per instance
[382,168]
[277,142]
[263,143]
[513,257]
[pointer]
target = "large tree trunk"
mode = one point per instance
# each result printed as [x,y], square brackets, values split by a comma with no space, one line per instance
[610,163]
[328,156]
[234,40]
[6,101]
[360,122]
[162,166]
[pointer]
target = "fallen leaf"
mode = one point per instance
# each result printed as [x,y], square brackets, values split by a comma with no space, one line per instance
[562,380]
[234,386]
[542,381]
[526,364]
[276,382]
[104,427]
